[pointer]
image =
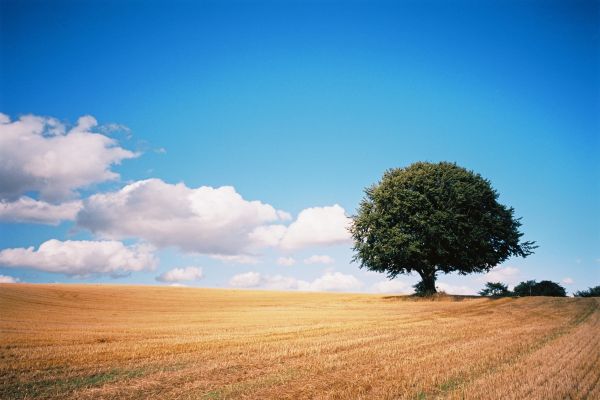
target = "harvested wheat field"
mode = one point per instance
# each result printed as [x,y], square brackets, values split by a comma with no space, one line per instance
[126,342]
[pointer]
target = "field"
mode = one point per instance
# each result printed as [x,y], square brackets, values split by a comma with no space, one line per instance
[126,342]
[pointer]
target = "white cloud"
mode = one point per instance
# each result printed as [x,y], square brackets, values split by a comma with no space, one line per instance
[112,127]
[453,289]
[330,281]
[216,221]
[238,259]
[26,209]
[246,280]
[335,281]
[81,258]
[286,261]
[317,226]
[267,235]
[186,274]
[317,259]
[207,220]
[392,286]
[8,279]
[568,281]
[280,282]
[38,154]
[507,275]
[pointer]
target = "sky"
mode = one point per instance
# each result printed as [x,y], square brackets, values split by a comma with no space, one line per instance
[226,144]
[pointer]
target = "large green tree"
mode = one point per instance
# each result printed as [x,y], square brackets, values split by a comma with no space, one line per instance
[433,218]
[543,288]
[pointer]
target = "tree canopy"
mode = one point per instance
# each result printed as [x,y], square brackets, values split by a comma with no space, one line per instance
[495,289]
[432,218]
[542,288]
[591,292]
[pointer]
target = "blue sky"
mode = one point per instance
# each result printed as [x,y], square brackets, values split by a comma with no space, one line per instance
[301,105]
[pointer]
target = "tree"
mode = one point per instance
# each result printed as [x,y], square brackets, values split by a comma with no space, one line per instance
[421,290]
[432,218]
[495,289]
[591,292]
[549,288]
[525,289]
[542,288]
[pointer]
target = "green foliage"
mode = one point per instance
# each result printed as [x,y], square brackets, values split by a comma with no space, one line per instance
[495,289]
[591,292]
[421,290]
[525,288]
[434,217]
[543,288]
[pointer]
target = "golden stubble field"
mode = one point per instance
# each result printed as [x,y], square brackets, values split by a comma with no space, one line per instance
[126,342]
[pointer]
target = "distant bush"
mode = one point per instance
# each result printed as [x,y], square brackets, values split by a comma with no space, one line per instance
[543,288]
[495,289]
[591,292]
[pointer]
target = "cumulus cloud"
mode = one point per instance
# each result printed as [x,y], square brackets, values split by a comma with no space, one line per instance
[568,281]
[508,275]
[316,259]
[26,209]
[246,280]
[8,279]
[317,226]
[335,281]
[330,281]
[286,261]
[267,235]
[186,274]
[392,286]
[454,289]
[237,259]
[38,154]
[204,220]
[81,258]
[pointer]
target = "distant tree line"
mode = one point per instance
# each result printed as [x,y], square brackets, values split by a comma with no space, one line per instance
[591,292]
[533,288]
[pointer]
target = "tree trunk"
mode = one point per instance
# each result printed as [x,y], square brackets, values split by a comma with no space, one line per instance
[428,282]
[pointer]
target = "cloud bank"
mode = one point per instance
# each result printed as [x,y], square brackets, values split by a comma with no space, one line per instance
[330,281]
[206,220]
[392,286]
[505,274]
[202,220]
[26,209]
[286,261]
[8,279]
[45,163]
[186,274]
[38,154]
[319,259]
[81,258]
